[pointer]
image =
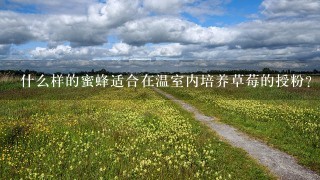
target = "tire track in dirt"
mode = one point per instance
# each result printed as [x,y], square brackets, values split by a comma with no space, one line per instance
[278,162]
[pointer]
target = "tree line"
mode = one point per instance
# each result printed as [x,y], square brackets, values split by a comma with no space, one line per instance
[104,71]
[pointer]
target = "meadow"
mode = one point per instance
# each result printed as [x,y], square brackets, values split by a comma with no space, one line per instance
[286,118]
[110,133]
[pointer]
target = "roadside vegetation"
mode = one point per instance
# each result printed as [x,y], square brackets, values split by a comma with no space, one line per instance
[287,118]
[109,133]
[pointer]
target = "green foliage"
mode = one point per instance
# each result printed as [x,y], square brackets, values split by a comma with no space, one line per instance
[96,133]
[287,118]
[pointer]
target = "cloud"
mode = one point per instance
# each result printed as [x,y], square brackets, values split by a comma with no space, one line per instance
[169,50]
[201,9]
[76,30]
[114,13]
[90,29]
[4,49]
[290,8]
[66,52]
[93,28]
[18,29]
[282,64]
[166,6]
[14,29]
[175,30]
[121,49]
[61,52]
[263,53]
[157,29]
[196,8]
[51,7]
[277,33]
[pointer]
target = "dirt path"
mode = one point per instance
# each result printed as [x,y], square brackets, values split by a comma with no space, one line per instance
[279,163]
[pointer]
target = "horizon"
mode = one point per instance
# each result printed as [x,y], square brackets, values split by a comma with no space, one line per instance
[156,66]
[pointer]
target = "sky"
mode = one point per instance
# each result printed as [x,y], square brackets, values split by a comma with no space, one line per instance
[159,30]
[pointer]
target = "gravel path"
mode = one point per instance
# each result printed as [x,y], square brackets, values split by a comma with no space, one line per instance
[279,163]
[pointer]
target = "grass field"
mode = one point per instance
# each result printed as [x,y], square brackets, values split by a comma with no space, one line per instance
[110,133]
[286,118]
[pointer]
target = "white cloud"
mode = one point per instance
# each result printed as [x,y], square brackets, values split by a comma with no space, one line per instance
[166,6]
[196,8]
[224,53]
[206,8]
[55,6]
[80,30]
[282,65]
[77,30]
[115,12]
[169,50]
[121,49]
[277,33]
[19,29]
[289,29]
[168,29]
[289,8]
[14,29]
[61,52]
[174,51]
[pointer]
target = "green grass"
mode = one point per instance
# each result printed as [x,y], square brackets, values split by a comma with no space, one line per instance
[91,133]
[286,118]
